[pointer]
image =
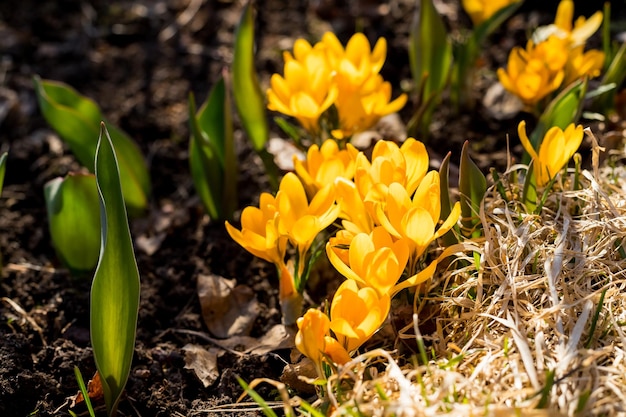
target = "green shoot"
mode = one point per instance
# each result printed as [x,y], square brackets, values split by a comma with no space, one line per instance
[74,220]
[430,56]
[472,188]
[115,288]
[212,158]
[77,119]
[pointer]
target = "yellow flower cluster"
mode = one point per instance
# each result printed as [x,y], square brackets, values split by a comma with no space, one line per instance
[554,58]
[481,10]
[389,209]
[319,76]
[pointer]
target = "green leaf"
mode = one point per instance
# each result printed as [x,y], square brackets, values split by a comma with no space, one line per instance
[248,96]
[115,288]
[472,187]
[212,158]
[73,215]
[446,204]
[77,121]
[430,55]
[84,391]
[615,74]
[563,110]
[3,169]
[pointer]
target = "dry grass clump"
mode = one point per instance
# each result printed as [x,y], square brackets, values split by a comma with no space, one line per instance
[537,330]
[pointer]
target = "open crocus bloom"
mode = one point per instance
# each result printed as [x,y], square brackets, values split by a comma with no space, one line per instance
[583,28]
[416,219]
[582,64]
[405,165]
[357,313]
[298,219]
[307,89]
[324,164]
[258,234]
[555,150]
[374,260]
[314,341]
[361,110]
[355,64]
[529,78]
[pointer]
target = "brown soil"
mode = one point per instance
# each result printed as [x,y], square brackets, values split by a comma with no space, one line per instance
[139,63]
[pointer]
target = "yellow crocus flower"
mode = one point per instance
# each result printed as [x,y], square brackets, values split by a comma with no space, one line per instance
[583,28]
[363,96]
[355,64]
[405,165]
[374,260]
[528,77]
[582,64]
[416,219]
[361,110]
[553,52]
[481,10]
[314,341]
[357,313]
[307,89]
[259,234]
[325,164]
[356,218]
[555,150]
[298,219]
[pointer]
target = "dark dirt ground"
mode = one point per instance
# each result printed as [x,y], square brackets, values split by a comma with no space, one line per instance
[139,60]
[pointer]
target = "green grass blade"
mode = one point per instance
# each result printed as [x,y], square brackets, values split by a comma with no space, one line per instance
[257,398]
[73,217]
[249,99]
[115,288]
[77,121]
[84,391]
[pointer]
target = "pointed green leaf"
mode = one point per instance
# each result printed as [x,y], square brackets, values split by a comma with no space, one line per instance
[472,187]
[3,169]
[446,204]
[212,158]
[430,49]
[563,110]
[74,220]
[77,121]
[248,96]
[615,75]
[115,288]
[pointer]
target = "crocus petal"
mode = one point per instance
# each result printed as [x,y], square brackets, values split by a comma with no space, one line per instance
[521,131]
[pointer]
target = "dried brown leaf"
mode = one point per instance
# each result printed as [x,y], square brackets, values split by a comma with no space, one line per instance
[203,362]
[228,309]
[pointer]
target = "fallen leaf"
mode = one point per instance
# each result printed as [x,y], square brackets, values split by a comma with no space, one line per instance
[227,309]
[94,390]
[278,337]
[202,362]
[297,375]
